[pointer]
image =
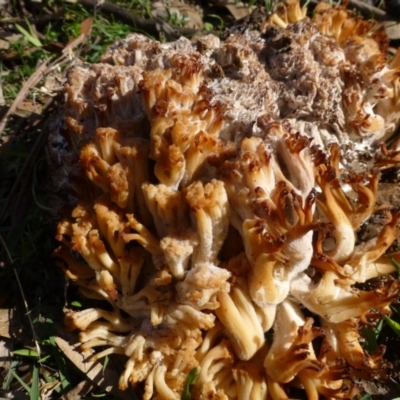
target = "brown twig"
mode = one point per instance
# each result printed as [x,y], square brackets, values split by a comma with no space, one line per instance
[45,68]
[15,54]
[151,26]
[33,80]
[42,19]
[365,10]
[369,11]
[2,101]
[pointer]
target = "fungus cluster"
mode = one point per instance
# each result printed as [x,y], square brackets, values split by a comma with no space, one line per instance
[218,189]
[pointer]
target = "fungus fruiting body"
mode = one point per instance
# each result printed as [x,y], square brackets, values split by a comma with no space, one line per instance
[219,186]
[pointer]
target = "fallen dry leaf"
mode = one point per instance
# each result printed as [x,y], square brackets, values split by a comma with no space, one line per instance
[52,83]
[86,26]
[79,391]
[10,323]
[11,37]
[163,11]
[28,107]
[5,323]
[107,379]
[6,347]
[239,11]
[4,44]
[392,29]
[194,19]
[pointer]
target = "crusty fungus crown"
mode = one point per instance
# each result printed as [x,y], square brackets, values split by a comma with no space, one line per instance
[218,188]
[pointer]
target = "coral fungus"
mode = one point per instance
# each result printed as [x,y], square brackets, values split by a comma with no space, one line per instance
[215,212]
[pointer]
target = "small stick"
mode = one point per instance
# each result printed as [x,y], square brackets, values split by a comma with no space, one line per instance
[152,27]
[28,85]
[365,9]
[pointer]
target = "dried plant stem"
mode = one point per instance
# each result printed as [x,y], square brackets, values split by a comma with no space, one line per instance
[35,336]
[29,84]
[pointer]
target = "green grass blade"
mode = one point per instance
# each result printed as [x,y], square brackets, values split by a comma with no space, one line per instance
[105,363]
[395,264]
[43,359]
[31,38]
[26,353]
[394,325]
[221,21]
[369,335]
[192,375]
[34,395]
[21,382]
[10,375]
